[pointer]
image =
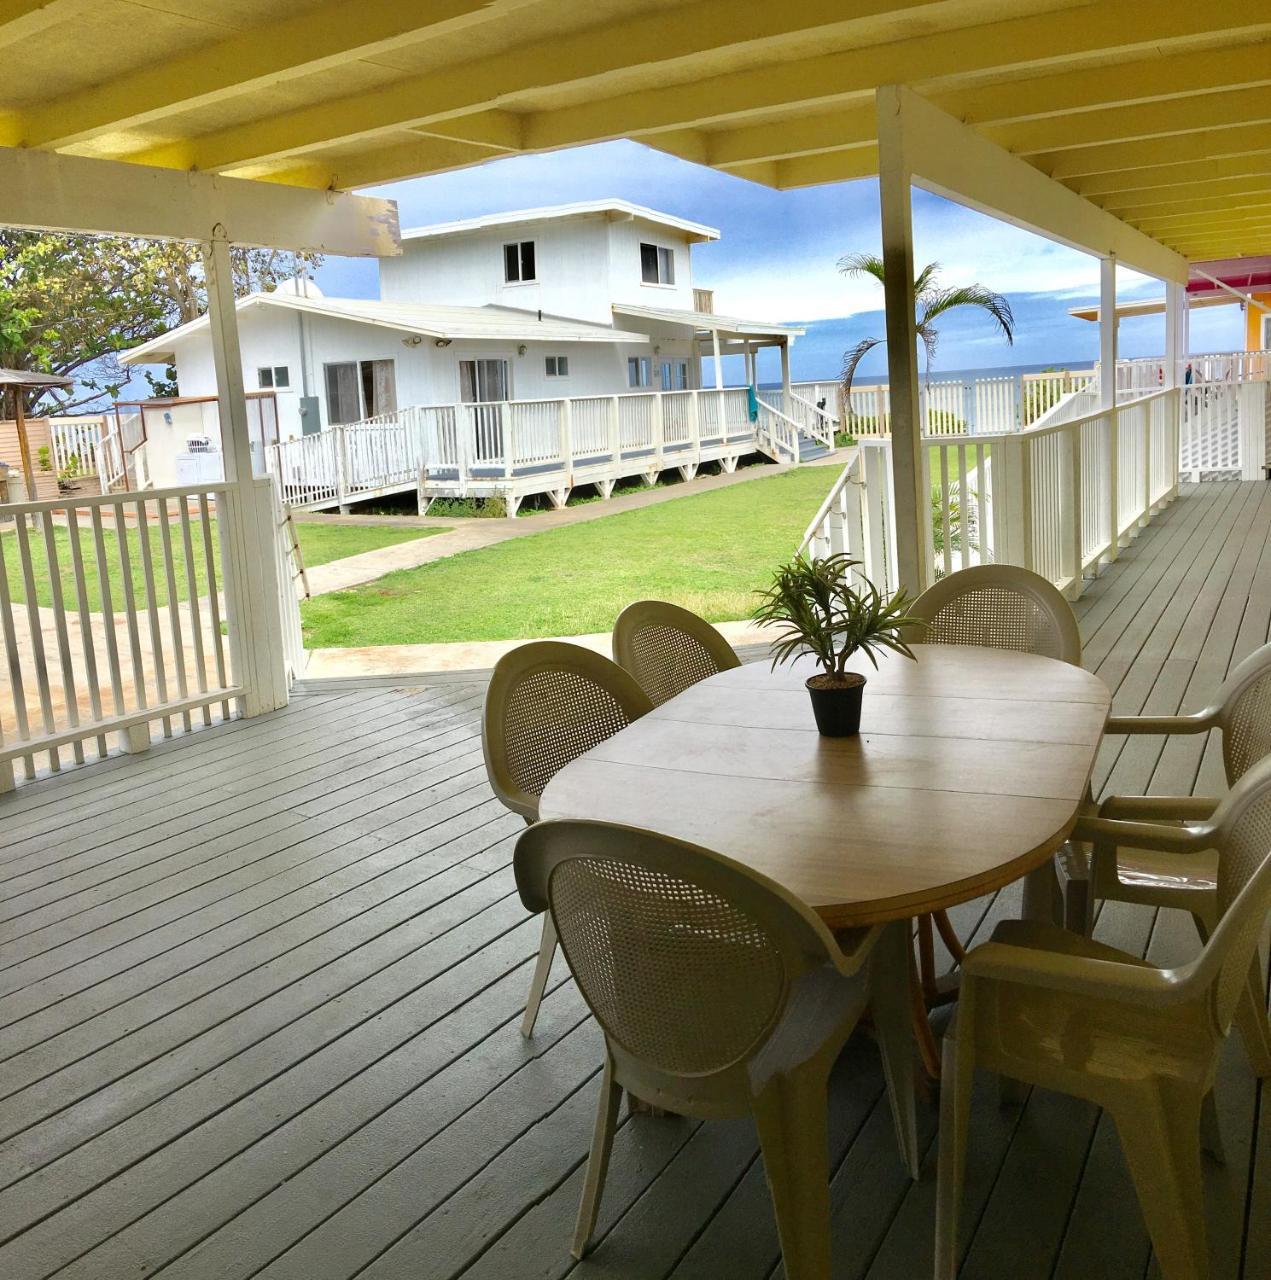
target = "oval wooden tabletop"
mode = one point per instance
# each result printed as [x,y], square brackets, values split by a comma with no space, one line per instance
[968,772]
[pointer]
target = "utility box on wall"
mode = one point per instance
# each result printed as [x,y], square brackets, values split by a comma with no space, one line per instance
[310,416]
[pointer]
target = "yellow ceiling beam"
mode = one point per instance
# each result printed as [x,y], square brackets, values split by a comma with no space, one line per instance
[829,166]
[1198,195]
[379,165]
[497,130]
[319,40]
[1180,176]
[1161,75]
[1236,218]
[1116,157]
[852,124]
[679,36]
[1040,42]
[1144,120]
[1207,250]
[22,20]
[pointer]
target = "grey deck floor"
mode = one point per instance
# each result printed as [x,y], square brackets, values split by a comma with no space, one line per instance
[259,993]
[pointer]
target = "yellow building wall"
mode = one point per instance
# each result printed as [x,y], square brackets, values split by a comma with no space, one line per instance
[1254,321]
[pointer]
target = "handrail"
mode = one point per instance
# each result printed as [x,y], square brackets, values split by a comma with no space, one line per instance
[823,511]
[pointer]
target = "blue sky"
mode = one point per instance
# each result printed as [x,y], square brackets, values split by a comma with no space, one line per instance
[776,257]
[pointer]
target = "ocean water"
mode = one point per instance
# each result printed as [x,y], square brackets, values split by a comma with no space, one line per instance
[947,375]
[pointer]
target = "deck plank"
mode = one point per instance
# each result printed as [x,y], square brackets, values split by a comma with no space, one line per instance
[260,988]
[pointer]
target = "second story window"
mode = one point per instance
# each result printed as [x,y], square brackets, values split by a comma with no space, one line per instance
[557,366]
[657,265]
[518,262]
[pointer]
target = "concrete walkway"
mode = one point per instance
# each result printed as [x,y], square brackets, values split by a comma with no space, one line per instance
[469,534]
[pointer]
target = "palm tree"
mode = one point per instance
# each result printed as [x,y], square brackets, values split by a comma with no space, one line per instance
[932,301]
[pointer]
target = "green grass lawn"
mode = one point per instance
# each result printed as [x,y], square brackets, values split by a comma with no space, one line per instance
[319,543]
[709,553]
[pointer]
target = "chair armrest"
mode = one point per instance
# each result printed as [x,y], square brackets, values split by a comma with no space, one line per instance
[1145,835]
[1201,722]
[1141,808]
[1073,975]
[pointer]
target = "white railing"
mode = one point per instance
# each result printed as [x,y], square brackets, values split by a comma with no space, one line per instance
[111,617]
[76,442]
[1060,499]
[292,585]
[812,421]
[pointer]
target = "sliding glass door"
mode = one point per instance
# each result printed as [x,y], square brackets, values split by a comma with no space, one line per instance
[484,385]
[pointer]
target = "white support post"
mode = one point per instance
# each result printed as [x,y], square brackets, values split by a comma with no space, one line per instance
[567,439]
[1107,332]
[1175,332]
[785,375]
[909,506]
[719,364]
[695,423]
[252,596]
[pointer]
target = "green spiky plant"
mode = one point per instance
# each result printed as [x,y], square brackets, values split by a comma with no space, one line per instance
[818,610]
[931,301]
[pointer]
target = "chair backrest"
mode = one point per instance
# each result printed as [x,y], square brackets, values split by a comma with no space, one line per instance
[999,606]
[685,957]
[547,703]
[1245,714]
[1243,840]
[667,649]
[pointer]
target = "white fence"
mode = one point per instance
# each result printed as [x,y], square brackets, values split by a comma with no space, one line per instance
[112,620]
[527,446]
[1060,499]
[76,443]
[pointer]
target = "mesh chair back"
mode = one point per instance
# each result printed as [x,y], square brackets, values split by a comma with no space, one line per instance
[1244,884]
[667,649]
[547,703]
[685,957]
[1001,607]
[1245,716]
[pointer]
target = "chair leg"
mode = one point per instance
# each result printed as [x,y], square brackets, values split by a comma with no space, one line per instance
[542,971]
[955,1118]
[949,936]
[1211,1142]
[1251,1019]
[598,1161]
[1161,1139]
[927,960]
[889,1001]
[792,1118]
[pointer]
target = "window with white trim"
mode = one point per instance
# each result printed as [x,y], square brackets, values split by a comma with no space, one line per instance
[657,264]
[518,262]
[640,371]
[273,377]
[557,366]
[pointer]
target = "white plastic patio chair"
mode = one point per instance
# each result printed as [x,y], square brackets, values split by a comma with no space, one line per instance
[1124,868]
[720,995]
[547,703]
[1046,1006]
[667,649]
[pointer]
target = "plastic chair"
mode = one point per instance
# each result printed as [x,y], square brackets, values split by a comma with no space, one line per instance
[1049,1007]
[667,649]
[1122,869]
[547,703]
[998,606]
[720,995]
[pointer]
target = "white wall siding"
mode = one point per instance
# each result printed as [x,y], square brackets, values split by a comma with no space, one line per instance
[625,283]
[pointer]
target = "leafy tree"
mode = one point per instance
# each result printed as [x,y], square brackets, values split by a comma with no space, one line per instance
[69,304]
[931,300]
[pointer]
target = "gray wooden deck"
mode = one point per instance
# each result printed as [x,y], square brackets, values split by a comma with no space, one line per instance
[260,989]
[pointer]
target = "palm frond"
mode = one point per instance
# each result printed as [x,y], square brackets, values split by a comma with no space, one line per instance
[862,264]
[926,279]
[851,359]
[940,301]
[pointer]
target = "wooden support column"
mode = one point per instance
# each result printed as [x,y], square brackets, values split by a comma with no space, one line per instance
[785,373]
[719,364]
[252,594]
[1108,332]
[1175,333]
[894,178]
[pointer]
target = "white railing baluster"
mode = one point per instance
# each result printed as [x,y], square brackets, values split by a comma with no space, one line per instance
[70,694]
[17,684]
[192,591]
[213,597]
[87,639]
[152,611]
[36,630]
[174,607]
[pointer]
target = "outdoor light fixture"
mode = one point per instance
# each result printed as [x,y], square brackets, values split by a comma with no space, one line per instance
[442,342]
[413,341]
[522,349]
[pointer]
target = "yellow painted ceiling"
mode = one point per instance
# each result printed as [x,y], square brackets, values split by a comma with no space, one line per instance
[1158,110]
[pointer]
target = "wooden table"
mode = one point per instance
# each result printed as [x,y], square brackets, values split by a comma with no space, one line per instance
[968,773]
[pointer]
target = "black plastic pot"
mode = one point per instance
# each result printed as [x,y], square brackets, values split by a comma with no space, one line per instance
[837,709]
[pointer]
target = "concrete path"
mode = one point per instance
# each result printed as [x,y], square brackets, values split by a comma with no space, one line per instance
[468,534]
[416,659]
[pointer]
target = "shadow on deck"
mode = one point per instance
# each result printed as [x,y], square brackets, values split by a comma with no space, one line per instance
[260,993]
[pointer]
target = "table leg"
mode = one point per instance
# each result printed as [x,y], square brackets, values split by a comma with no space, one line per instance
[1042,900]
[924,1037]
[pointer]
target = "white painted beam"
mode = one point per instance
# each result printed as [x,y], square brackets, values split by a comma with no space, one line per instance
[46,191]
[1108,323]
[953,160]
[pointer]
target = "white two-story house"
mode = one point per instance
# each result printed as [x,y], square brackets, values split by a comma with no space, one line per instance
[575,301]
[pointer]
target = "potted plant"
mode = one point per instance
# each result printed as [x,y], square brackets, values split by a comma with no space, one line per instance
[820,610]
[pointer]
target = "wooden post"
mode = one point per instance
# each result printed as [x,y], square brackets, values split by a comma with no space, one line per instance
[785,374]
[1175,335]
[1108,332]
[24,445]
[252,595]
[719,365]
[909,505]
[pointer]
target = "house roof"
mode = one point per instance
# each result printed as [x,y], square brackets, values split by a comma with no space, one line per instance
[614,210]
[708,321]
[447,323]
[25,378]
